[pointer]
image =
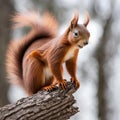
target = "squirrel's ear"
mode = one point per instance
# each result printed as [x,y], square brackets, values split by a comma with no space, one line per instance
[87,19]
[74,21]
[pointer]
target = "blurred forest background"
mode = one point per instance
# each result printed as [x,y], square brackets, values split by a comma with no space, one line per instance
[98,63]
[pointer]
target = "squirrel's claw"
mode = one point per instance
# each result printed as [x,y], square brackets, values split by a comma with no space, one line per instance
[63,84]
[49,88]
[76,82]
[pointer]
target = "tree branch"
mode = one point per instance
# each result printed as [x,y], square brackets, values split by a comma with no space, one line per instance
[55,105]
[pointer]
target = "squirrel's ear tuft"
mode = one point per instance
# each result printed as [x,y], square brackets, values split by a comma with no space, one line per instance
[87,19]
[74,21]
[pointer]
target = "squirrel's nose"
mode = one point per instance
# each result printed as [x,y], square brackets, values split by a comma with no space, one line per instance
[85,43]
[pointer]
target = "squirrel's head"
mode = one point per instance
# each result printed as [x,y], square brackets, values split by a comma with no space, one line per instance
[78,33]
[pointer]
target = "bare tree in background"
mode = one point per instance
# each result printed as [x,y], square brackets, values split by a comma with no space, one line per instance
[102,56]
[102,80]
[6,8]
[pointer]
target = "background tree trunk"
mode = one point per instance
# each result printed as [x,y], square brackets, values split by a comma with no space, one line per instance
[102,83]
[6,9]
[102,57]
[55,105]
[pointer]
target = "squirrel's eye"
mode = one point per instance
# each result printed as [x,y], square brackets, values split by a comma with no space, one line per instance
[76,34]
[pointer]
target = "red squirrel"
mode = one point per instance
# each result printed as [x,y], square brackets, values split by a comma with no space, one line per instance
[35,61]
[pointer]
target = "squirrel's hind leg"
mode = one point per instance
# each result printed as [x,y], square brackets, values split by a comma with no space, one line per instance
[33,74]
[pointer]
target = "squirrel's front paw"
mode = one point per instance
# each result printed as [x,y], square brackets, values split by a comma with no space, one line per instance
[63,83]
[76,82]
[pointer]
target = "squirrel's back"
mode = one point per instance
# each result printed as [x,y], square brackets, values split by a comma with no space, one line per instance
[43,27]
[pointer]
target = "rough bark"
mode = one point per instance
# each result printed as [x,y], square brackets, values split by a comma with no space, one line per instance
[54,105]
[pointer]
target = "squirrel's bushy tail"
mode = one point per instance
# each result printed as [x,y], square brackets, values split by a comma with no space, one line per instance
[44,26]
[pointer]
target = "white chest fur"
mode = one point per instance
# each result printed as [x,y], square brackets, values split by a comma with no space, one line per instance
[47,73]
[70,53]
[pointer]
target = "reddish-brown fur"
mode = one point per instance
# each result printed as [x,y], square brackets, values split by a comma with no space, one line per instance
[35,62]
